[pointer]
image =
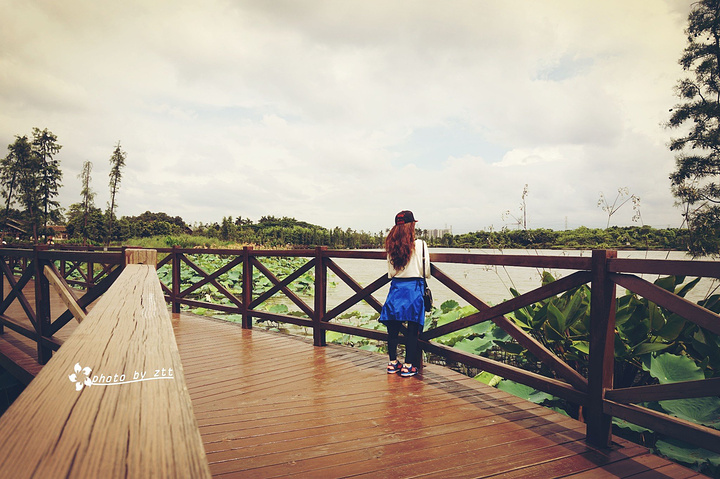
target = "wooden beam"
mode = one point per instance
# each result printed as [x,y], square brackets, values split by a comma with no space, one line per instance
[542,383]
[113,401]
[663,392]
[65,293]
[551,289]
[677,304]
[701,436]
[531,344]
[354,285]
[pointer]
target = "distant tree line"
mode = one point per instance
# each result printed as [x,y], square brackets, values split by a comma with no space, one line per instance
[93,227]
[629,237]
[287,232]
[281,232]
[269,231]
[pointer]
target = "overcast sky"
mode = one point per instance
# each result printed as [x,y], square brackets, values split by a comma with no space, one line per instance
[341,113]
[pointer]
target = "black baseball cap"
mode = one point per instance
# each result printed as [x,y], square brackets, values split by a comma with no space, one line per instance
[404,217]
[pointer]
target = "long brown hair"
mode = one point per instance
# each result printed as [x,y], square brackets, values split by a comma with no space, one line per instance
[400,244]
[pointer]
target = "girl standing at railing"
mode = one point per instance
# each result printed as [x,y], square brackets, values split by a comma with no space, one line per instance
[404,303]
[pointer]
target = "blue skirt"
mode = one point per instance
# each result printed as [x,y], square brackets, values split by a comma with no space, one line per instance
[405,301]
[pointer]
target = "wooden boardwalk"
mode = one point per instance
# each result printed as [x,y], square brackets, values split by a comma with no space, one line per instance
[271,405]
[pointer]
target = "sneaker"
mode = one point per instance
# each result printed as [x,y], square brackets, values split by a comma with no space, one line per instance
[408,371]
[393,368]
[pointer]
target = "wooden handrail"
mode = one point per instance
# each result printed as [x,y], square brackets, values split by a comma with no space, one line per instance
[112,402]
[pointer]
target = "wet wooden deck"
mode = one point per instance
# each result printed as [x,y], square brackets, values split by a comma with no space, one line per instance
[269,405]
[272,405]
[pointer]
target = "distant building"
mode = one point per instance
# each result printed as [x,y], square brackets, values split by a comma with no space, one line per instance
[60,232]
[439,233]
[14,227]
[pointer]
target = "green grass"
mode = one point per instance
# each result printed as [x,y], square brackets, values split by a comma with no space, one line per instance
[182,241]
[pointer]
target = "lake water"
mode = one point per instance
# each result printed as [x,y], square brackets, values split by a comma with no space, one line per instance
[490,283]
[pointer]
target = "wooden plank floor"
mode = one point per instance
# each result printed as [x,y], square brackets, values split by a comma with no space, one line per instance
[271,405]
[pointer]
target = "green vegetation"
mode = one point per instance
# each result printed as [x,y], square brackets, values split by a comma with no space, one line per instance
[652,345]
[630,237]
[695,179]
[30,177]
[160,230]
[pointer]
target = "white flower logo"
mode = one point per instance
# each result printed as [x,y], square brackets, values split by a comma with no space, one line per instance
[79,382]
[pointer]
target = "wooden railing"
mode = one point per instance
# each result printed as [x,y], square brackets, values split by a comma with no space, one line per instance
[94,272]
[113,401]
[603,271]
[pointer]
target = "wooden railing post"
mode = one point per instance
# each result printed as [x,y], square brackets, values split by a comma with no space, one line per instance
[320,296]
[175,265]
[42,306]
[90,274]
[602,350]
[2,292]
[247,288]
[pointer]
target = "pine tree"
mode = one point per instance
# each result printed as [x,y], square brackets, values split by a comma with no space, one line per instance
[695,180]
[88,197]
[45,146]
[117,163]
[19,155]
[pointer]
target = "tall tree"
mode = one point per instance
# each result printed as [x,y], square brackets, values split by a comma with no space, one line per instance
[20,152]
[695,179]
[117,163]
[88,197]
[29,178]
[46,147]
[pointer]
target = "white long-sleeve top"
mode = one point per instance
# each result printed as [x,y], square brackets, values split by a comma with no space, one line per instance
[414,268]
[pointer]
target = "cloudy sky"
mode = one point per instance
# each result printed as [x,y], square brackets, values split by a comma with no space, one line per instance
[341,113]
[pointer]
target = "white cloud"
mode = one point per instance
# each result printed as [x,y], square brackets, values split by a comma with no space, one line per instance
[342,113]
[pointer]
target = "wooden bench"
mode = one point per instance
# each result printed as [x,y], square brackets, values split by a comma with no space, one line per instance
[113,401]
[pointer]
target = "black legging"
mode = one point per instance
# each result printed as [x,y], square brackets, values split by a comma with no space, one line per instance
[411,341]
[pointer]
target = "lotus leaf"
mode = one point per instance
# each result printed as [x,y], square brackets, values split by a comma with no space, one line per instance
[488,378]
[525,392]
[705,411]
[510,347]
[581,346]
[672,328]
[622,423]
[670,368]
[681,452]
[278,309]
[448,306]
[475,345]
